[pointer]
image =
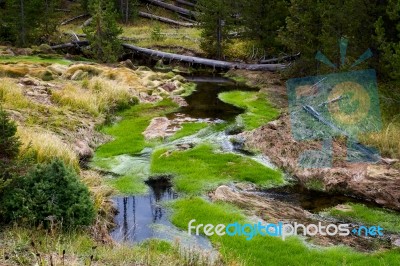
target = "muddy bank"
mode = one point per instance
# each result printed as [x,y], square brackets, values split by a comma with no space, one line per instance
[379,183]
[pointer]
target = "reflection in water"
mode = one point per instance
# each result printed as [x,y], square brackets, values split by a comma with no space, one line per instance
[205,104]
[138,214]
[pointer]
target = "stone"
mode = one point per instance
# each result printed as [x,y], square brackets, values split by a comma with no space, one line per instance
[83,150]
[157,128]
[128,63]
[179,101]
[29,81]
[169,86]
[273,125]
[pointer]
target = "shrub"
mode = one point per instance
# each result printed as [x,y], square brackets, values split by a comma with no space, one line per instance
[49,192]
[9,147]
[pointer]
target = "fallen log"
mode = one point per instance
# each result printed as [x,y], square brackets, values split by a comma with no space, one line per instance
[176,9]
[166,20]
[284,58]
[72,19]
[203,61]
[77,44]
[183,2]
[188,19]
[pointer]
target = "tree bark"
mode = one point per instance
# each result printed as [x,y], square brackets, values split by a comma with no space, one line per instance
[166,20]
[204,61]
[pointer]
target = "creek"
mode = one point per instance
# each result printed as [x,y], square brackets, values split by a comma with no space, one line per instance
[145,216]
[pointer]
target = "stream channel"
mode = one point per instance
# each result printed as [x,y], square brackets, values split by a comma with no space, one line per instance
[142,217]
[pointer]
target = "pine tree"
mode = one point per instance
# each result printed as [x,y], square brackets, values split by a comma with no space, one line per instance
[217,19]
[103,31]
[9,147]
[262,20]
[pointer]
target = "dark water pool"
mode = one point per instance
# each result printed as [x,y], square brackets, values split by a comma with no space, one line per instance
[204,102]
[311,200]
[138,215]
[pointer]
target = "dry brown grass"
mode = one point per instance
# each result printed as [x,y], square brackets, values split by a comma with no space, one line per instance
[47,146]
[387,140]
[95,96]
[12,97]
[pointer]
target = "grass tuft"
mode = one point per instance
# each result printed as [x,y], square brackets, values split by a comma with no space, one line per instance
[188,129]
[258,109]
[200,169]
[359,213]
[47,146]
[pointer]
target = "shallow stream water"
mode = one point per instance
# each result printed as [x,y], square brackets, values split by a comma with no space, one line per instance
[143,217]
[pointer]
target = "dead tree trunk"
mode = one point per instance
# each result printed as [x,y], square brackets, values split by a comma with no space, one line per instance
[203,61]
[183,2]
[72,19]
[166,20]
[70,45]
[176,9]
[284,58]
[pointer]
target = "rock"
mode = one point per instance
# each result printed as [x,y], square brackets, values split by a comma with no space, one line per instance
[169,86]
[273,125]
[145,98]
[157,128]
[9,52]
[396,242]
[128,63]
[179,101]
[79,75]
[29,81]
[83,150]
[57,69]
[185,146]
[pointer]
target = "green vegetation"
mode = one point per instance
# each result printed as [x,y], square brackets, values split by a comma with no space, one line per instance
[128,133]
[129,184]
[258,109]
[272,250]
[359,213]
[34,59]
[201,169]
[50,194]
[188,129]
[9,147]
